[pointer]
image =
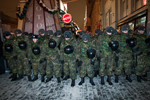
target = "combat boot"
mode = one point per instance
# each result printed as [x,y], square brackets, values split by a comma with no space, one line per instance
[66,77]
[82,81]
[29,78]
[42,78]
[48,79]
[143,78]
[116,78]
[145,75]
[11,76]
[139,78]
[95,73]
[109,80]
[20,77]
[102,80]
[35,77]
[128,78]
[91,81]
[58,80]
[14,77]
[73,83]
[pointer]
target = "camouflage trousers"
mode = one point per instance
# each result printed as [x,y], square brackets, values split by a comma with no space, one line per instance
[147,64]
[86,68]
[12,64]
[106,65]
[140,69]
[125,61]
[23,63]
[37,67]
[96,65]
[53,65]
[69,68]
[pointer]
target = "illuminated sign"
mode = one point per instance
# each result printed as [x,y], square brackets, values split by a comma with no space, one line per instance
[144,2]
[67,18]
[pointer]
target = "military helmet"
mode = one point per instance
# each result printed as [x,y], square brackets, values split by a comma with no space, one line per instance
[125,28]
[8,47]
[41,31]
[114,45]
[17,31]
[91,53]
[100,32]
[109,29]
[22,45]
[68,34]
[132,42]
[35,36]
[69,49]
[49,32]
[26,33]
[82,32]
[85,37]
[6,33]
[36,50]
[97,30]
[52,43]
[58,32]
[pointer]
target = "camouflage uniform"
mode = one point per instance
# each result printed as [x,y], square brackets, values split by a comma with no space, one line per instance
[86,67]
[125,55]
[35,59]
[53,58]
[22,60]
[106,54]
[41,40]
[96,65]
[10,55]
[69,59]
[139,70]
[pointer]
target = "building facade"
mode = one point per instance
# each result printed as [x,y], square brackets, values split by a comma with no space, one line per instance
[117,13]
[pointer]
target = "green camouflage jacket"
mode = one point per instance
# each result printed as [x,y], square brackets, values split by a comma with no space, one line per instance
[141,42]
[17,40]
[123,46]
[86,46]
[73,55]
[102,45]
[9,41]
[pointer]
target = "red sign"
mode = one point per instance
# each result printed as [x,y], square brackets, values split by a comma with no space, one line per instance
[144,2]
[67,18]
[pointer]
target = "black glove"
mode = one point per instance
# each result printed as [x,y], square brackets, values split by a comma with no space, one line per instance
[14,57]
[77,60]
[26,56]
[136,49]
[30,62]
[117,51]
[116,58]
[92,61]
[79,63]
[148,54]
[44,59]
[41,61]
[139,53]
[98,58]
[62,61]
[109,44]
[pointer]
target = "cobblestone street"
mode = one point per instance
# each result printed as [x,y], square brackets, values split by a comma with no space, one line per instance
[24,90]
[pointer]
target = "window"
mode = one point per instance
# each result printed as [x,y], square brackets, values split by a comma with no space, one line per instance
[131,25]
[141,21]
